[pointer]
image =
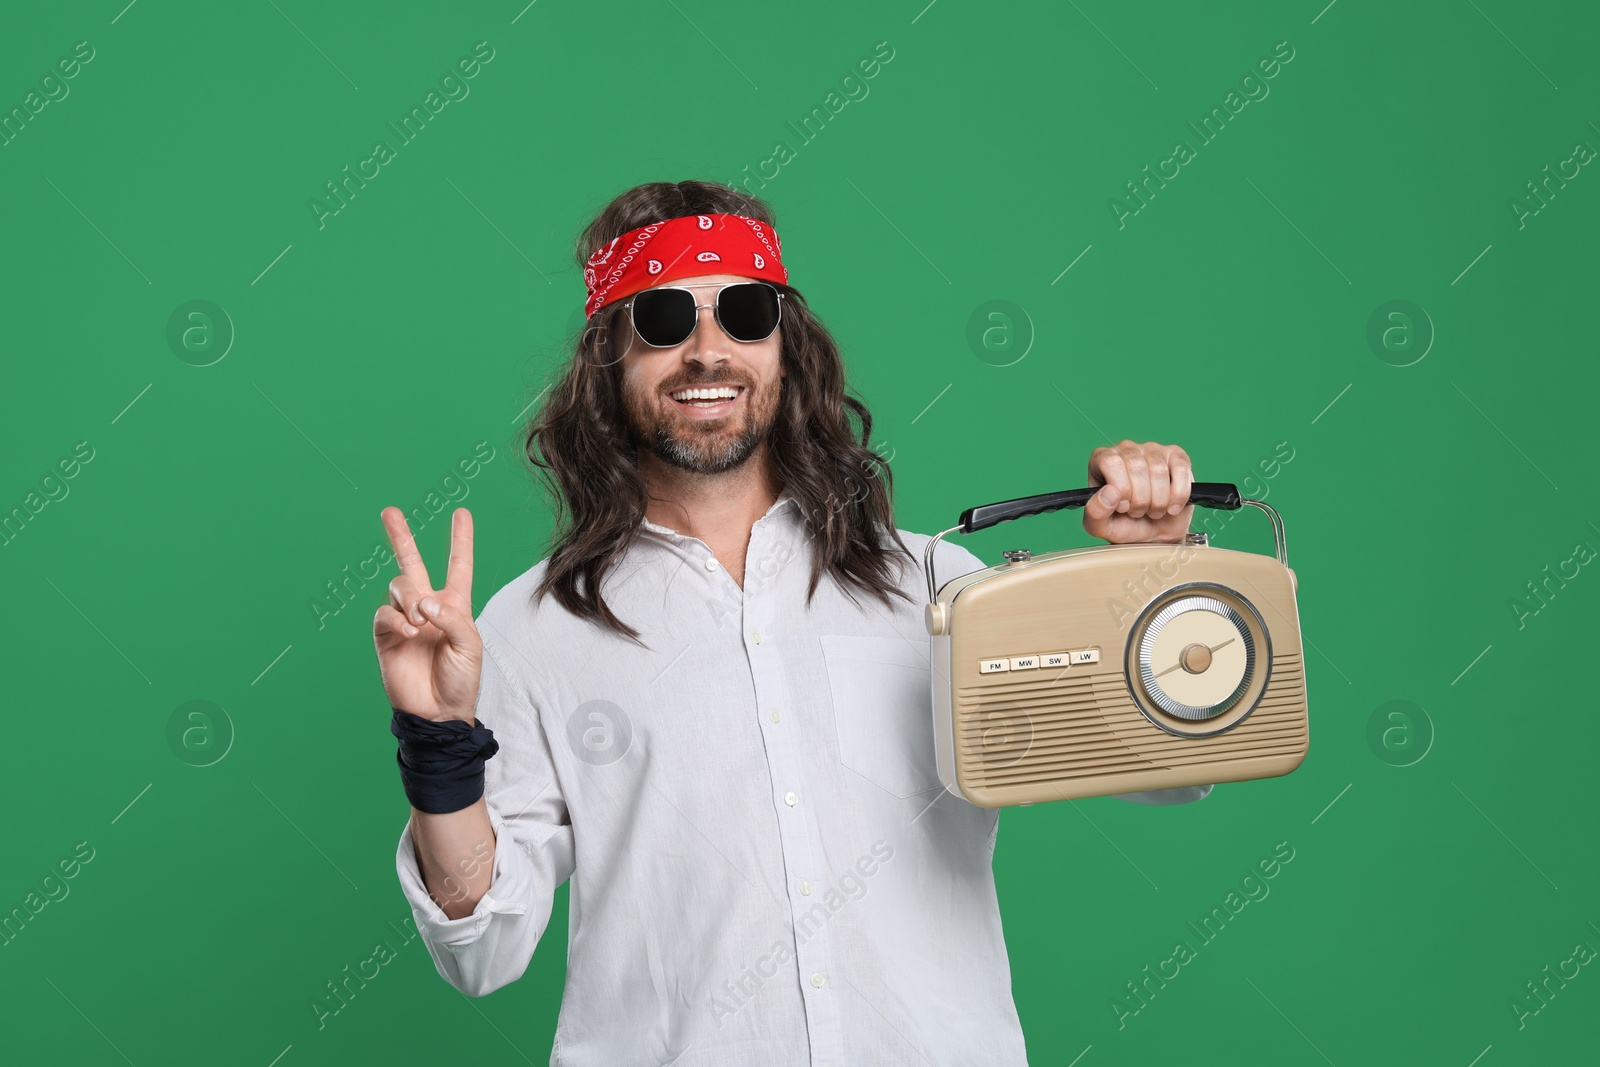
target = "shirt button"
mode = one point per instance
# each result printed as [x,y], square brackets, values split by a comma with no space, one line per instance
[712,564]
[773,714]
[755,635]
[790,798]
[816,980]
[805,889]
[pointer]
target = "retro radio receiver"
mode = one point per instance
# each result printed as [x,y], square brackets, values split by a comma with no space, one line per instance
[1115,668]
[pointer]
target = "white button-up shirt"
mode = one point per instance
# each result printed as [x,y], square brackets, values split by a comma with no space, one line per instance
[764,866]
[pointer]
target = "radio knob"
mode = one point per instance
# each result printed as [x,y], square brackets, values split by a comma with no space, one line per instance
[1017,555]
[1195,658]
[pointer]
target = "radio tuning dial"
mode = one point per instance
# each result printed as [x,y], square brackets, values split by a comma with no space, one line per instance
[1196,655]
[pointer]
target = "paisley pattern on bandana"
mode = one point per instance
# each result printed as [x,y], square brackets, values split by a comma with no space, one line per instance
[682,248]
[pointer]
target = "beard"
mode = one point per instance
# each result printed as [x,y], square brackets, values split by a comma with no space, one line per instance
[708,446]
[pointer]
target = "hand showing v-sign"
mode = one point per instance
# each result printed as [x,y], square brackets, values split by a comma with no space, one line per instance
[429,653]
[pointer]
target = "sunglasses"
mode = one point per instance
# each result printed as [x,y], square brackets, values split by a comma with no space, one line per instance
[667,315]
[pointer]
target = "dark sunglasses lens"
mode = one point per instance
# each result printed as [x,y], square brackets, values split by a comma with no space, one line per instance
[749,312]
[664,317]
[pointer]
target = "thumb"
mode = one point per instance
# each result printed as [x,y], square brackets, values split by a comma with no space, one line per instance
[458,628]
[1102,505]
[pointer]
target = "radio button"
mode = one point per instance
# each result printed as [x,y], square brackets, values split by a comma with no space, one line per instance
[1024,663]
[990,666]
[1086,655]
[1056,659]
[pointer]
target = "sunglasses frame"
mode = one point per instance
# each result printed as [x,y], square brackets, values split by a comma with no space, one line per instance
[716,310]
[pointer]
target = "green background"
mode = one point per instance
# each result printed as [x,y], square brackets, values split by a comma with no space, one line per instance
[1437,867]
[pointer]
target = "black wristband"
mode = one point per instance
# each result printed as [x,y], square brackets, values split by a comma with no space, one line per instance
[441,763]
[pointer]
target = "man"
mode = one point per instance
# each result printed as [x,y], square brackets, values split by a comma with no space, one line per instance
[701,724]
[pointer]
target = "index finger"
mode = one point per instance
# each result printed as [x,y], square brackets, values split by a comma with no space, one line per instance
[459,576]
[405,546]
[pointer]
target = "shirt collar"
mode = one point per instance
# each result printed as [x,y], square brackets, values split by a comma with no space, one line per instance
[784,508]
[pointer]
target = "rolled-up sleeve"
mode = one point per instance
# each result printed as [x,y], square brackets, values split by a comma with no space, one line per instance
[533,854]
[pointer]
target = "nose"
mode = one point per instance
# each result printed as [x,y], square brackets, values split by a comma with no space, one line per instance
[708,344]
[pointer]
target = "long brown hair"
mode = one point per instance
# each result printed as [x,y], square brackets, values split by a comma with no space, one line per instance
[584,451]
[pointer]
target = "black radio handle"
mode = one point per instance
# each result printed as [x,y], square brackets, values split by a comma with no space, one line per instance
[1222,495]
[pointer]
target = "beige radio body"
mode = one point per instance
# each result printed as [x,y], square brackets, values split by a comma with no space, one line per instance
[1117,668]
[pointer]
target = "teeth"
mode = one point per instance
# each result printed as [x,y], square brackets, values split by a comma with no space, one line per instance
[722,392]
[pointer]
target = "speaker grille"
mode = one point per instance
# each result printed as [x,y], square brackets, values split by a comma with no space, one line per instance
[1086,725]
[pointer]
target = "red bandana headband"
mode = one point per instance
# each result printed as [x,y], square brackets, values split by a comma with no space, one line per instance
[682,248]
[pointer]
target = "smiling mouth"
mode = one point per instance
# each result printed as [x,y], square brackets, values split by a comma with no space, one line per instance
[718,401]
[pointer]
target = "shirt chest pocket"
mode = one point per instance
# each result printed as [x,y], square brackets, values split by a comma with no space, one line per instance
[883,711]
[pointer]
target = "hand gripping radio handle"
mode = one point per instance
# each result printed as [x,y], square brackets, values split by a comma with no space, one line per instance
[1222,495]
